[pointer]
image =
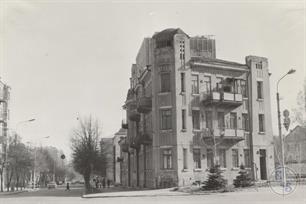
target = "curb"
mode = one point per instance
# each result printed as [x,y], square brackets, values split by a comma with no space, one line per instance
[125,196]
[12,193]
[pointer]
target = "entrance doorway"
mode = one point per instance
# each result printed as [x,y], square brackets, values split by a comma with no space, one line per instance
[263,164]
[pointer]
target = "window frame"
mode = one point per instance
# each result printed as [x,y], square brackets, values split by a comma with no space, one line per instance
[260,94]
[261,123]
[166,119]
[167,158]
[235,158]
[196,120]
[165,85]
[196,158]
[195,84]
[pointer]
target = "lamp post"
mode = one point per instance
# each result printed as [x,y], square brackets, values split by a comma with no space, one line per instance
[291,71]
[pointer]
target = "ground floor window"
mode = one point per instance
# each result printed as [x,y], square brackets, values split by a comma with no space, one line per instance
[222,158]
[247,158]
[235,158]
[210,158]
[167,158]
[197,158]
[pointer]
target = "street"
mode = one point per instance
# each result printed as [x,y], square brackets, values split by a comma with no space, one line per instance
[60,196]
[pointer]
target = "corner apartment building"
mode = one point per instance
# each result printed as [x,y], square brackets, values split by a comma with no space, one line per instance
[4,118]
[187,110]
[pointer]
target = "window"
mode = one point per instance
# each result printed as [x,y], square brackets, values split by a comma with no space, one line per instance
[259,90]
[182,50]
[195,84]
[244,90]
[207,84]
[221,120]
[197,158]
[208,115]
[167,159]
[185,159]
[261,119]
[196,119]
[184,119]
[210,158]
[166,119]
[245,122]
[183,82]
[247,158]
[259,65]
[235,161]
[165,82]
[222,158]
[219,83]
[233,120]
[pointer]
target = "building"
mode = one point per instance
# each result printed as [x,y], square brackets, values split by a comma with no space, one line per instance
[107,148]
[4,118]
[295,157]
[187,110]
[117,160]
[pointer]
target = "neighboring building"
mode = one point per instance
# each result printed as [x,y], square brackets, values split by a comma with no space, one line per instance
[187,110]
[4,118]
[108,151]
[117,159]
[295,154]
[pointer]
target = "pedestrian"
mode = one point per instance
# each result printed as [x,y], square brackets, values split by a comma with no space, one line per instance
[108,183]
[103,182]
[67,186]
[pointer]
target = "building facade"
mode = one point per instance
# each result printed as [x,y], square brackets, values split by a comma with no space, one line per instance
[187,110]
[117,160]
[4,118]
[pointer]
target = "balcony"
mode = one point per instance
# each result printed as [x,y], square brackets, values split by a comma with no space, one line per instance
[134,115]
[124,124]
[210,98]
[231,99]
[144,139]
[125,147]
[144,104]
[225,136]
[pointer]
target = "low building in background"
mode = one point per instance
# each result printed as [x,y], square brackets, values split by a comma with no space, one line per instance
[295,154]
[117,159]
[108,151]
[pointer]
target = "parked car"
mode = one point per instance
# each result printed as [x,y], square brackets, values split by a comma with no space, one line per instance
[51,185]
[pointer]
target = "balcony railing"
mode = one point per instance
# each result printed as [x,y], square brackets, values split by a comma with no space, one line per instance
[134,115]
[124,124]
[210,97]
[223,134]
[144,138]
[231,99]
[125,147]
[144,104]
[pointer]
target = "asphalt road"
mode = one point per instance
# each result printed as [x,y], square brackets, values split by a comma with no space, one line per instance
[60,196]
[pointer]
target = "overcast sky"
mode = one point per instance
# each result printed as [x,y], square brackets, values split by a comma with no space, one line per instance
[65,59]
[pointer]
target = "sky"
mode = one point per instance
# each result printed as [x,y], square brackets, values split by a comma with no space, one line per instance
[72,58]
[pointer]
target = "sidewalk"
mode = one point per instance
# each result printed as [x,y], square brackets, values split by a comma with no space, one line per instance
[138,193]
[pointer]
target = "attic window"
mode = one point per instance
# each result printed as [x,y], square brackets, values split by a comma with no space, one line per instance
[163,43]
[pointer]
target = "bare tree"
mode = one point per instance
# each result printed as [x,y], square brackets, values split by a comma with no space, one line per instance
[299,113]
[87,157]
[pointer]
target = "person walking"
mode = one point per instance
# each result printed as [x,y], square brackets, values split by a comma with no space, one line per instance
[108,183]
[67,186]
[103,182]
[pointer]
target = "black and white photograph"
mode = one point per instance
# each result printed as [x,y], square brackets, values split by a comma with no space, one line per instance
[135,101]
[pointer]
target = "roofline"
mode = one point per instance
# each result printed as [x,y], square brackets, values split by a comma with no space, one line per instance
[225,67]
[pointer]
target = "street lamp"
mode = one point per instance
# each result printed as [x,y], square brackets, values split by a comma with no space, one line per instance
[291,71]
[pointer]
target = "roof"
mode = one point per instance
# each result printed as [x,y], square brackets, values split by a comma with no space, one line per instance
[168,33]
[297,134]
[121,132]
[217,62]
